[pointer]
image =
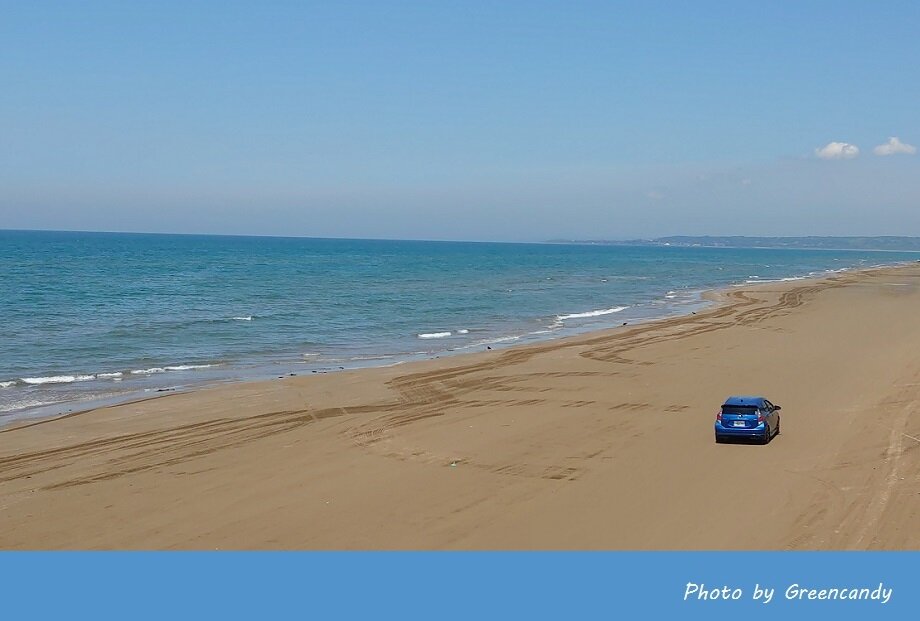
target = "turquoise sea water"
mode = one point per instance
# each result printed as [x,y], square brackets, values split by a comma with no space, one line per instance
[96,316]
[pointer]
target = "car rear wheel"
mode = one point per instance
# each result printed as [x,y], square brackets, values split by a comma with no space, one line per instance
[719,439]
[778,420]
[766,435]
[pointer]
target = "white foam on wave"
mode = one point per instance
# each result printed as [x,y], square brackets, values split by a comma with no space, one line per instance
[114,375]
[594,313]
[177,367]
[7,384]
[149,371]
[57,379]
[769,280]
[434,335]
[463,331]
[242,318]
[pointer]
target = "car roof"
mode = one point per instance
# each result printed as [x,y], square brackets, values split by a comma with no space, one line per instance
[744,400]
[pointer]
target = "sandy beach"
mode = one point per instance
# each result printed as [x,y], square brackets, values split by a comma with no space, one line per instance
[602,441]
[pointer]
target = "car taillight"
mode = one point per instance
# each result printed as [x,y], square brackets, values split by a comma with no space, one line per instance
[759,417]
[719,416]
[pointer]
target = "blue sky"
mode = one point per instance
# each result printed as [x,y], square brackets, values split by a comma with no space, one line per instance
[461,120]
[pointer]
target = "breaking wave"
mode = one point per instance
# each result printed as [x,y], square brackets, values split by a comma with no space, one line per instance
[57,379]
[434,335]
[594,313]
[178,367]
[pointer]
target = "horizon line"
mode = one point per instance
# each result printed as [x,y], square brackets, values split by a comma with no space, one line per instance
[558,240]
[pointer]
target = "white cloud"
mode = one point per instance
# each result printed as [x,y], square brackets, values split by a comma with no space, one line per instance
[837,151]
[893,147]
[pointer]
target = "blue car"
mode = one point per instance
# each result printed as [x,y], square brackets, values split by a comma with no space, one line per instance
[747,417]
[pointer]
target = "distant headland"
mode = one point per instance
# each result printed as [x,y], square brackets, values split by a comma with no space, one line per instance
[888,242]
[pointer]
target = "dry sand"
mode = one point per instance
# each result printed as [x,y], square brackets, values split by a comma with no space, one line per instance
[602,441]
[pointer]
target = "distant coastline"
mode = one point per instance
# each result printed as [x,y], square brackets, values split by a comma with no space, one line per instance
[887,243]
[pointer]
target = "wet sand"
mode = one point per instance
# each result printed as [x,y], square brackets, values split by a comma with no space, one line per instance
[602,441]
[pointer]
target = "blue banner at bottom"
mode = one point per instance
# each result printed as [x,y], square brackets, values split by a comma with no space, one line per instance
[465,585]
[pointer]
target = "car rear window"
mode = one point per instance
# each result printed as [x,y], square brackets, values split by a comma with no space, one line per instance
[739,409]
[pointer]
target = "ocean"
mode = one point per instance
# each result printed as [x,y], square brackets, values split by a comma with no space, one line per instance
[93,318]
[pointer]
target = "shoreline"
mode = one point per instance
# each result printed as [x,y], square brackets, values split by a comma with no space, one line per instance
[597,441]
[702,300]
